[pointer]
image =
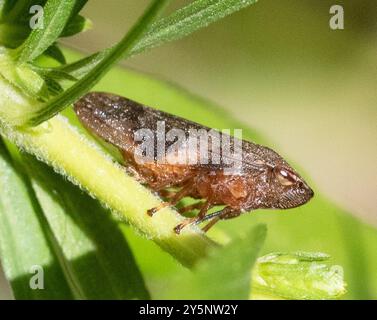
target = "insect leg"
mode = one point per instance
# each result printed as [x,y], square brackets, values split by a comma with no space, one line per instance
[203,210]
[225,213]
[197,205]
[210,224]
[174,200]
[164,193]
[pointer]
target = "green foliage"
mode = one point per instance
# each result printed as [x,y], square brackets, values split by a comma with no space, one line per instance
[187,20]
[77,25]
[15,29]
[108,58]
[55,53]
[298,275]
[55,17]
[86,238]
[14,21]
[181,23]
[47,221]
[225,274]
[23,237]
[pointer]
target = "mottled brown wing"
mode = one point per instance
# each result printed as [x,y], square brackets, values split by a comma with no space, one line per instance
[116,119]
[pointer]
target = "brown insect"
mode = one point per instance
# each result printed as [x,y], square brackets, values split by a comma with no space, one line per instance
[265,181]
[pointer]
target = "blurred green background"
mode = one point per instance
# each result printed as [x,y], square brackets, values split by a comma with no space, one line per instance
[278,68]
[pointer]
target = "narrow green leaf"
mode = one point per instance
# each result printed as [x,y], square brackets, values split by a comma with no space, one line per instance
[15,17]
[91,245]
[110,57]
[18,11]
[78,6]
[189,19]
[77,25]
[83,66]
[53,73]
[12,35]
[24,240]
[53,86]
[55,53]
[181,23]
[75,21]
[225,274]
[55,17]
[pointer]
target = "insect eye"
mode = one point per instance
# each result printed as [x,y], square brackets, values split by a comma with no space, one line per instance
[285,177]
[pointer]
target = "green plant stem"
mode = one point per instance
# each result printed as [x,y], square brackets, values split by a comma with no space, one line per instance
[110,57]
[58,144]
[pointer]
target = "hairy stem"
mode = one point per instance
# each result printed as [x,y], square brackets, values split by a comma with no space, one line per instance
[60,145]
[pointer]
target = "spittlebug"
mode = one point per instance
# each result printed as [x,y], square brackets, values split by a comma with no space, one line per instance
[263,179]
